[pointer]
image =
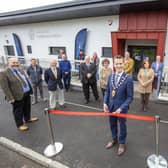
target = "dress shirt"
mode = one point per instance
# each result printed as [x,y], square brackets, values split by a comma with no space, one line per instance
[117,77]
[21,77]
[54,70]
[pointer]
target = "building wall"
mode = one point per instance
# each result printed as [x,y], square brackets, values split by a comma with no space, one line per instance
[41,36]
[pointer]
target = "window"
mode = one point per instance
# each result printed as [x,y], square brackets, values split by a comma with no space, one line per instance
[107,52]
[56,51]
[9,50]
[29,49]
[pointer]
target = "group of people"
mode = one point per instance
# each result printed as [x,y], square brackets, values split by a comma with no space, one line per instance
[117,89]
[116,85]
[19,86]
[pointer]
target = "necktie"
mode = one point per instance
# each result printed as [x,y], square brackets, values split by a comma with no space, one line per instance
[36,75]
[20,78]
[55,72]
[116,79]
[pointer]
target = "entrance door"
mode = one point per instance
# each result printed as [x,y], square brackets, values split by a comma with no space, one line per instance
[140,53]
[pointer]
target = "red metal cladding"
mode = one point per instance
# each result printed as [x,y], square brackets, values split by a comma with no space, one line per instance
[145,25]
[147,20]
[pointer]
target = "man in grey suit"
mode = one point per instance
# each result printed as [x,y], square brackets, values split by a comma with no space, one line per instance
[17,90]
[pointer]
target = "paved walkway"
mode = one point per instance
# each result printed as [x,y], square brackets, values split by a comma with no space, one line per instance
[11,159]
[84,137]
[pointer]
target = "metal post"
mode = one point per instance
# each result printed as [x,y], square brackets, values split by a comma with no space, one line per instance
[156,160]
[49,125]
[55,147]
[157,121]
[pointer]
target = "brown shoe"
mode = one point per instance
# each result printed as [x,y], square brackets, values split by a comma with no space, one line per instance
[121,149]
[111,144]
[33,119]
[23,128]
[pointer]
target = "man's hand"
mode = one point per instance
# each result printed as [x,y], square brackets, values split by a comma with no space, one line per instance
[89,75]
[11,101]
[105,108]
[118,111]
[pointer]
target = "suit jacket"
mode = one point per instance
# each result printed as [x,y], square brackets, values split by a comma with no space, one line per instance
[11,85]
[123,96]
[84,70]
[159,70]
[51,81]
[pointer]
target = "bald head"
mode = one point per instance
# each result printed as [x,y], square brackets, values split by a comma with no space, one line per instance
[13,62]
[127,55]
[158,58]
[53,63]
[87,59]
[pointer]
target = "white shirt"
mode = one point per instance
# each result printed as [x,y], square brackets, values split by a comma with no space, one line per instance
[118,76]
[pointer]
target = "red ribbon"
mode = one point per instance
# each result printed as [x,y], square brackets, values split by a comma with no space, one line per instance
[130,116]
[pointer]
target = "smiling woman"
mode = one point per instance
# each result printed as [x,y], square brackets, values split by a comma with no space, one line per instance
[19,4]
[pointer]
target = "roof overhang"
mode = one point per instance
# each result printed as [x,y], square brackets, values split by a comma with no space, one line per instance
[79,9]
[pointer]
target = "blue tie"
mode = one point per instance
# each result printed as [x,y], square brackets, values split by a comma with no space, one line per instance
[20,78]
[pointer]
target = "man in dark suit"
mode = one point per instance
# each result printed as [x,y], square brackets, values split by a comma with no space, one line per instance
[118,96]
[88,78]
[53,79]
[17,90]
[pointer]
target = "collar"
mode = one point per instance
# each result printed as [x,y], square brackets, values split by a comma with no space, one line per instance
[120,74]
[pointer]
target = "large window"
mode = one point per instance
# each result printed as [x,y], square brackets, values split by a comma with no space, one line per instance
[56,51]
[107,52]
[9,50]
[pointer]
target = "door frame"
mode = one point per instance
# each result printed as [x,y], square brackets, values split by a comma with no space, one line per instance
[118,40]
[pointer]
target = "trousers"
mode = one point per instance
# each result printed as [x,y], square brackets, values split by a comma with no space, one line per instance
[53,96]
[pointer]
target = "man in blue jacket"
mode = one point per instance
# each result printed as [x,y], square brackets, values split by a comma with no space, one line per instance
[65,67]
[118,96]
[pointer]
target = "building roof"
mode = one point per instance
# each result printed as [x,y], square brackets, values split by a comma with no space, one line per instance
[79,9]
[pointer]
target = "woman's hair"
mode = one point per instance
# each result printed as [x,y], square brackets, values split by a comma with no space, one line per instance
[105,60]
[144,62]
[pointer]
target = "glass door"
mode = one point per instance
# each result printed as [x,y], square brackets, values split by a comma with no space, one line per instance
[140,53]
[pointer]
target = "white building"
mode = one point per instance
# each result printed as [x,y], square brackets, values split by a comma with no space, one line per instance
[139,26]
[44,37]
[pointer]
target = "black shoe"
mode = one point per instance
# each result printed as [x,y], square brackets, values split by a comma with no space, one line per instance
[35,102]
[62,106]
[97,98]
[87,101]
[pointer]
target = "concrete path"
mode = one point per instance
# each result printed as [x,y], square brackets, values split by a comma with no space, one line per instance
[84,137]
